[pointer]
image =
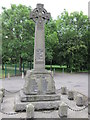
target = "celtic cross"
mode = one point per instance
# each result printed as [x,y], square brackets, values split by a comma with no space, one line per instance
[39,15]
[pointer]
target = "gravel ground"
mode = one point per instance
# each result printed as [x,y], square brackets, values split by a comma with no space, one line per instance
[77,82]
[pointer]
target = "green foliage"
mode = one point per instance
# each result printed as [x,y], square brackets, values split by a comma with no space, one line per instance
[0,39]
[67,38]
[51,40]
[17,34]
[73,48]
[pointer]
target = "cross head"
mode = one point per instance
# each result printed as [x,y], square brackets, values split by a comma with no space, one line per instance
[39,14]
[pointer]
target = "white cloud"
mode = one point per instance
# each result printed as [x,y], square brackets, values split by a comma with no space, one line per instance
[55,7]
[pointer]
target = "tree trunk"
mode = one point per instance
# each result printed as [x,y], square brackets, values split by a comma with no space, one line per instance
[20,64]
[2,66]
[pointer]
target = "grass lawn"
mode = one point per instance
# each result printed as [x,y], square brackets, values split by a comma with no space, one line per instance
[11,70]
[0,73]
[56,66]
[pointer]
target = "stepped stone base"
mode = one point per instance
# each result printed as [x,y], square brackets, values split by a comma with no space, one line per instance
[39,105]
[39,89]
[35,98]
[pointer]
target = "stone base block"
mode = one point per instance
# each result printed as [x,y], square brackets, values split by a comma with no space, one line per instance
[39,82]
[35,98]
[42,105]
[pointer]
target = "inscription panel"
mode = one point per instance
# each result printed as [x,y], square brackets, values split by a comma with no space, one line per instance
[34,86]
[39,55]
[39,83]
[44,85]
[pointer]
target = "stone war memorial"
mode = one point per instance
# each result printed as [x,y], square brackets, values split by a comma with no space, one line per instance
[41,96]
[39,87]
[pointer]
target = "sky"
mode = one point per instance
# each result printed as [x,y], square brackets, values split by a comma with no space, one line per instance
[55,7]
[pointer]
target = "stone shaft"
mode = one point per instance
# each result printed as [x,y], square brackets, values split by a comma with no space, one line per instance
[39,16]
[39,47]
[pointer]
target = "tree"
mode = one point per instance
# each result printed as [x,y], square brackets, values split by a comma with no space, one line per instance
[66,39]
[73,48]
[18,34]
[51,40]
[0,40]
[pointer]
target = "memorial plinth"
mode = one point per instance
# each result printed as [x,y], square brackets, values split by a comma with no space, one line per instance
[39,88]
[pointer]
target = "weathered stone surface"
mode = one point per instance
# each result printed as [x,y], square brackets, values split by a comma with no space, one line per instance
[63,90]
[70,95]
[39,82]
[0,103]
[39,16]
[89,107]
[79,100]
[63,110]
[34,98]
[1,96]
[42,105]
[3,91]
[30,110]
